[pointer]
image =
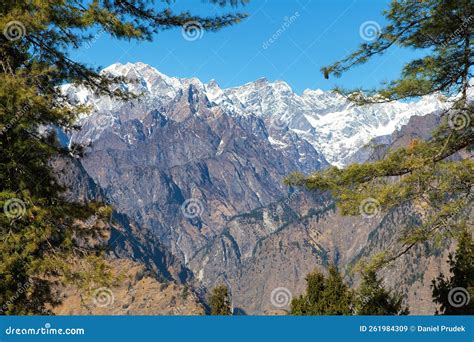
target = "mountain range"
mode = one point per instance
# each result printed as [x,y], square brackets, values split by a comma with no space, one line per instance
[197,171]
[331,124]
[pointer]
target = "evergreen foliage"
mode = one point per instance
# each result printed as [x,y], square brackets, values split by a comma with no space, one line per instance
[455,294]
[324,295]
[435,176]
[40,231]
[373,299]
[330,295]
[220,301]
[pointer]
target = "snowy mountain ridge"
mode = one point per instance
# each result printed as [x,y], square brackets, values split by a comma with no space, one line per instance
[330,123]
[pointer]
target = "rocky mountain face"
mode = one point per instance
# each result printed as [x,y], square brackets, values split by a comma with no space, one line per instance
[334,126]
[195,174]
[137,293]
[147,278]
[417,128]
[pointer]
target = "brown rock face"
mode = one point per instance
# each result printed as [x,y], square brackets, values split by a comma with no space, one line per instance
[147,279]
[199,199]
[264,256]
[135,294]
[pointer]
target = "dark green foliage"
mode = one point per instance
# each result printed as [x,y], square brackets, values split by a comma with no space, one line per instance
[455,294]
[330,295]
[220,301]
[445,27]
[324,295]
[41,231]
[373,299]
[424,174]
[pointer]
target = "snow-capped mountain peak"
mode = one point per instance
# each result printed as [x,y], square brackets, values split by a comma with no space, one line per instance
[326,120]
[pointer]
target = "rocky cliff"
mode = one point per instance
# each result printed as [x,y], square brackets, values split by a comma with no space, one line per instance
[196,172]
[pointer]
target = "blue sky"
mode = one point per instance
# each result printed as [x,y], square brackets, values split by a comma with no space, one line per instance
[317,33]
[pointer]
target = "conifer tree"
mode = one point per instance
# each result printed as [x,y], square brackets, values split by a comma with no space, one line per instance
[324,295]
[373,299]
[220,301]
[435,176]
[39,229]
[455,294]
